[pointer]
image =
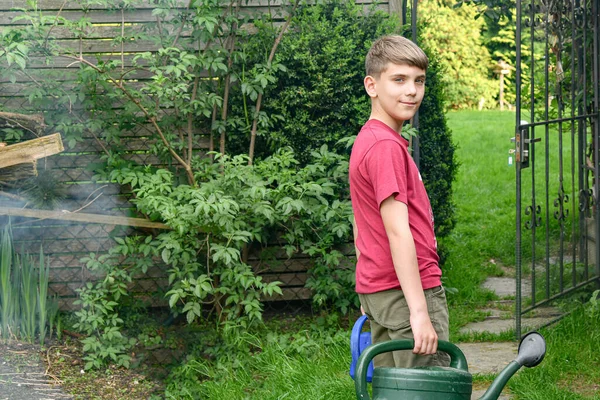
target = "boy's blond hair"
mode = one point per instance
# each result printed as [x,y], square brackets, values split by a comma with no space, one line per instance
[394,49]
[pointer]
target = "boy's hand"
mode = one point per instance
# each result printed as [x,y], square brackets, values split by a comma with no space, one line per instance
[426,339]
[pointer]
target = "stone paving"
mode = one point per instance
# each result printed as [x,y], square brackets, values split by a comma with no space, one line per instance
[491,357]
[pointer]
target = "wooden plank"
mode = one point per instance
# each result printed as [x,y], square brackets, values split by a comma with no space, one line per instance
[61,63]
[69,75]
[75,5]
[290,294]
[30,150]
[287,279]
[102,16]
[19,90]
[139,15]
[95,204]
[299,263]
[84,246]
[31,122]
[104,31]
[59,232]
[83,217]
[133,144]
[69,261]
[178,4]
[84,160]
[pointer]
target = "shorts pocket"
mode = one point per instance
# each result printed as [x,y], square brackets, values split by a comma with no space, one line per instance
[390,310]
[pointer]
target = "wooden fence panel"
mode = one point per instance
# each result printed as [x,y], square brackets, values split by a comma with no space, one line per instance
[65,242]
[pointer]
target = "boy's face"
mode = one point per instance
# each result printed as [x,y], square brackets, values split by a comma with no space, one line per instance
[397,94]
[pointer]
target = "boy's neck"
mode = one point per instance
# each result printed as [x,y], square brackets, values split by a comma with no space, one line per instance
[394,125]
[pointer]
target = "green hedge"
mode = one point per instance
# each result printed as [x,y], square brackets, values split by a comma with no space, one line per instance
[321,98]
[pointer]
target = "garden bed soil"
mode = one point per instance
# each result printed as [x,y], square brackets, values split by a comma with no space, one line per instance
[56,373]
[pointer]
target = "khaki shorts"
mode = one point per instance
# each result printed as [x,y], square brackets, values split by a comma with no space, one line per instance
[390,319]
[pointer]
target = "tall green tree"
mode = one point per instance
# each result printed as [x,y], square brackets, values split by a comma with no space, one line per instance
[455,35]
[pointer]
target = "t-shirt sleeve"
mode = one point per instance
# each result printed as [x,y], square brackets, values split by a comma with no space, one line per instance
[385,164]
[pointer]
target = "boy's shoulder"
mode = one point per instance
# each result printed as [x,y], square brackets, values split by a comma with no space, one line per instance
[375,139]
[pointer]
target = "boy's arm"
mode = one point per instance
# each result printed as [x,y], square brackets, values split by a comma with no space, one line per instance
[355,234]
[395,219]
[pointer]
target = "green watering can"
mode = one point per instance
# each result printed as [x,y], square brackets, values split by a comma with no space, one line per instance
[436,383]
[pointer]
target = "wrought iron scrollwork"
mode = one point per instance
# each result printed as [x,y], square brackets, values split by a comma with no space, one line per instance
[586,199]
[562,213]
[530,10]
[536,219]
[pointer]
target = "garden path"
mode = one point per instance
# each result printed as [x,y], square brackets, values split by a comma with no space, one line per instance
[491,357]
[23,374]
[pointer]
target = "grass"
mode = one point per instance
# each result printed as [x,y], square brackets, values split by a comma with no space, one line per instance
[571,368]
[481,245]
[282,370]
[484,193]
[303,359]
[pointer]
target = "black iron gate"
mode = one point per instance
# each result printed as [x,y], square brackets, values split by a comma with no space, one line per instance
[557,151]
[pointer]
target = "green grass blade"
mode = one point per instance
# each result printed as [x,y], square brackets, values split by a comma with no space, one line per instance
[6,260]
[42,296]
[28,298]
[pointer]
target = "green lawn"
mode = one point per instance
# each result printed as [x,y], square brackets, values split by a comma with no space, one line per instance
[312,363]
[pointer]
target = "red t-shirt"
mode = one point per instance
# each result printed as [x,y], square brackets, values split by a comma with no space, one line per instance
[381,166]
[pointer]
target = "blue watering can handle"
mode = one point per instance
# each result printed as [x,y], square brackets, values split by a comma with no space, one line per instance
[457,360]
[355,337]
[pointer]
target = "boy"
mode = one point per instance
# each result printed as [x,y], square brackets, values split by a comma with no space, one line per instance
[398,278]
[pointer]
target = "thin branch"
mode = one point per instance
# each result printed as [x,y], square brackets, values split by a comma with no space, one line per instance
[119,85]
[37,120]
[76,115]
[260,95]
[211,144]
[183,21]
[196,84]
[190,120]
[49,364]
[55,23]
[122,38]
[88,204]
[224,110]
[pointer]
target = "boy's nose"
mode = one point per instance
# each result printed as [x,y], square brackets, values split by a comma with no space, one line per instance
[411,88]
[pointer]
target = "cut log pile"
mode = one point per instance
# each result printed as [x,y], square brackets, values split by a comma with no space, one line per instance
[30,150]
[18,161]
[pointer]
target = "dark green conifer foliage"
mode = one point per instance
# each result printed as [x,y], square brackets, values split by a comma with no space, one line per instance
[321,97]
[438,163]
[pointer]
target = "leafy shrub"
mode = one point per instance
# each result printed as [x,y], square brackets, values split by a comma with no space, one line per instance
[236,206]
[321,98]
[438,162]
[239,206]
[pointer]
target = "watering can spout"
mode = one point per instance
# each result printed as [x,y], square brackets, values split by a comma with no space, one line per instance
[532,349]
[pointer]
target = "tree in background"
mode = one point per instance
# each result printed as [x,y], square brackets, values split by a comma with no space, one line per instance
[455,35]
[499,38]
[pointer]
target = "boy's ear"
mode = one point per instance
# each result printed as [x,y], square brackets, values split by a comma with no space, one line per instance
[370,86]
